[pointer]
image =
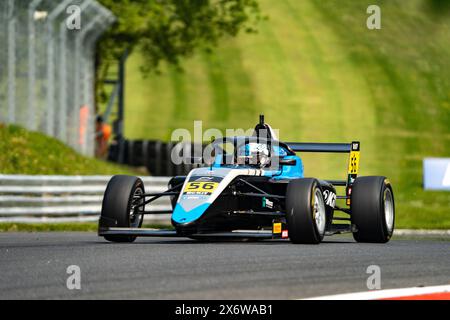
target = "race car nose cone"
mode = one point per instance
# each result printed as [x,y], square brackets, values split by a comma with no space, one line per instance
[181,216]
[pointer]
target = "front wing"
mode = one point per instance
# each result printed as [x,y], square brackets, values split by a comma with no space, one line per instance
[279,231]
[143,232]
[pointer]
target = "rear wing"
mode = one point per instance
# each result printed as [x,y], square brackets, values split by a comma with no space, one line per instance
[321,147]
[353,162]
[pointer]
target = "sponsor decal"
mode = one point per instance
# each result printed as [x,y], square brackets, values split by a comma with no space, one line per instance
[203,178]
[201,185]
[353,164]
[194,197]
[267,203]
[276,228]
[330,198]
[349,194]
[200,188]
[284,234]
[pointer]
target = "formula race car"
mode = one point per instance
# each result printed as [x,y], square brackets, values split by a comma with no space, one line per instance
[253,188]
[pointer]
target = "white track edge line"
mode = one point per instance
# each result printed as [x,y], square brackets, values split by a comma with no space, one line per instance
[383,294]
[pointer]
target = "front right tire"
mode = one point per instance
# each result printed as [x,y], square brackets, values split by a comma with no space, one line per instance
[122,206]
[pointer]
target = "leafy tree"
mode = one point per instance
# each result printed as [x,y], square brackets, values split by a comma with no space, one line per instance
[167,30]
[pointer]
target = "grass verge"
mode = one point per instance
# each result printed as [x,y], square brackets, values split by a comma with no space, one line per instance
[26,152]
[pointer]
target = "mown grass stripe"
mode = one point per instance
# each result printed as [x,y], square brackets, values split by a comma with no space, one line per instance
[219,87]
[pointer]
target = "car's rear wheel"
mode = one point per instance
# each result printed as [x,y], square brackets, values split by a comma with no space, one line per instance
[123,206]
[305,211]
[372,209]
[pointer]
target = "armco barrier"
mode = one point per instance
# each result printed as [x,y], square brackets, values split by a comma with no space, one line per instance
[41,198]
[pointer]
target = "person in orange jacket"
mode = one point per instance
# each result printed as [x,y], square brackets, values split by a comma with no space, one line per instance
[102,135]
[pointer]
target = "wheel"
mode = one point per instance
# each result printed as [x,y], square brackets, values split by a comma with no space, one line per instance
[120,207]
[372,209]
[305,211]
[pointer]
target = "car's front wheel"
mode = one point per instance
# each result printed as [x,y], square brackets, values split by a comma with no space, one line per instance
[123,206]
[305,211]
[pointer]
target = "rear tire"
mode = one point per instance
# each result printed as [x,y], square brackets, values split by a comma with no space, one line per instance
[119,206]
[305,211]
[372,209]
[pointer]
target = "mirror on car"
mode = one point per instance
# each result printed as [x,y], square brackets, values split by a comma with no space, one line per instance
[288,162]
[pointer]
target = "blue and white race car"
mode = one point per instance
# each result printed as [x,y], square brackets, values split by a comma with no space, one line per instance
[254,188]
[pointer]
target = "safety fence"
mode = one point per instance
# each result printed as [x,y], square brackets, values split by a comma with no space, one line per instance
[40,198]
[47,67]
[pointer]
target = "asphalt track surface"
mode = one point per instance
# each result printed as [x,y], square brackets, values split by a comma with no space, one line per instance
[33,266]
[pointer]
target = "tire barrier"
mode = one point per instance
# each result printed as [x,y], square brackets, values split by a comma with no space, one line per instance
[154,155]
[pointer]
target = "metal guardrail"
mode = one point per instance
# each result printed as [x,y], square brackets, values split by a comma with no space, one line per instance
[40,198]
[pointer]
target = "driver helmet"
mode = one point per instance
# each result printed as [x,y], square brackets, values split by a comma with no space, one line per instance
[257,153]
